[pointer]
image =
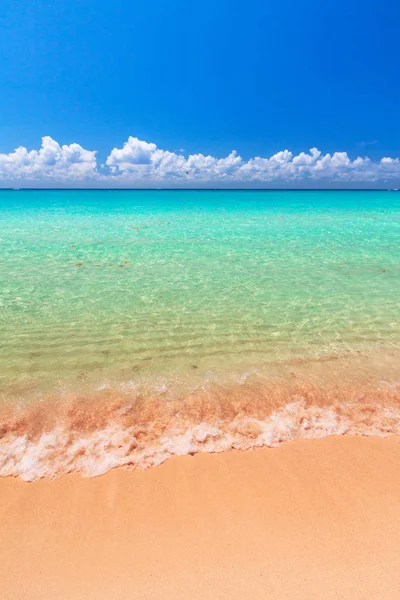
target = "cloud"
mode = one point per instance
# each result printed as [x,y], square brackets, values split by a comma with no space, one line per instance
[51,161]
[371,143]
[140,162]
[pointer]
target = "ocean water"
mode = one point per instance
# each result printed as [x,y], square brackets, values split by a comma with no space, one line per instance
[139,324]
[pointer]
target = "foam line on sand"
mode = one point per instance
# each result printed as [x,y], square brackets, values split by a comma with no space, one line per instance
[314,519]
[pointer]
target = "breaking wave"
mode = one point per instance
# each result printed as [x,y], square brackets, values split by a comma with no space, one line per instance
[140,428]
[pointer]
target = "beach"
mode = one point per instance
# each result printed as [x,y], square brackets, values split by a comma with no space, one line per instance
[199,395]
[199,301]
[310,519]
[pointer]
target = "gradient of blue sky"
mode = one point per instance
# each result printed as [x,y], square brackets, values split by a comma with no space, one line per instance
[255,76]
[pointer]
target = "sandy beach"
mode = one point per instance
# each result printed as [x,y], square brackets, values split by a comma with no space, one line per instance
[310,519]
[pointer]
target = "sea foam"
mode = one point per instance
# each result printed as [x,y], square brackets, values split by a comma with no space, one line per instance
[93,438]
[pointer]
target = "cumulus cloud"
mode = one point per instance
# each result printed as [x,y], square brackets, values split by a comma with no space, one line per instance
[143,160]
[51,161]
[140,162]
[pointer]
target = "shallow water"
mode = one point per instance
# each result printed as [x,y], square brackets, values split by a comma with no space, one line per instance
[159,294]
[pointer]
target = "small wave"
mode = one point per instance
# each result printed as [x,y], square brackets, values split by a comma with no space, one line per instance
[94,434]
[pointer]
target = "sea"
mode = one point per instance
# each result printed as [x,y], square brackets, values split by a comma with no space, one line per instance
[136,325]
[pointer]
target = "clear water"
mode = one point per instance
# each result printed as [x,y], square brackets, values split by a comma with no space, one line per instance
[105,288]
[105,283]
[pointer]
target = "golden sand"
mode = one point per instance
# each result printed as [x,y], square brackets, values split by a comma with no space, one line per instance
[308,520]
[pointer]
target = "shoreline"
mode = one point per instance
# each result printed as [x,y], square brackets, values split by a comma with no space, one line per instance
[309,519]
[143,425]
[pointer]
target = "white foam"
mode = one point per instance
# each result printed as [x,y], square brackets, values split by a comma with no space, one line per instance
[61,451]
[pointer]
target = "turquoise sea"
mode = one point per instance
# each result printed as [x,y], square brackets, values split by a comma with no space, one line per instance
[155,295]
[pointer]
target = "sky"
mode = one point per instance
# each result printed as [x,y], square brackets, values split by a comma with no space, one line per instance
[217,93]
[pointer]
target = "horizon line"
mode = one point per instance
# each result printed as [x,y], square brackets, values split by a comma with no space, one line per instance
[180,189]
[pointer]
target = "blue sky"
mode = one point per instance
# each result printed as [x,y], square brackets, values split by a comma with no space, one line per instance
[256,77]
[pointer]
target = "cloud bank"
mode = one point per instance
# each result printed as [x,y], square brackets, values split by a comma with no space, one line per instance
[140,162]
[51,161]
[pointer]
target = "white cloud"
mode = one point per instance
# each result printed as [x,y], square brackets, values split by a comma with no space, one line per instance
[142,160]
[139,161]
[51,161]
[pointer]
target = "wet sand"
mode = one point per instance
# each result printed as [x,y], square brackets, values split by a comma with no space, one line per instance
[309,520]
